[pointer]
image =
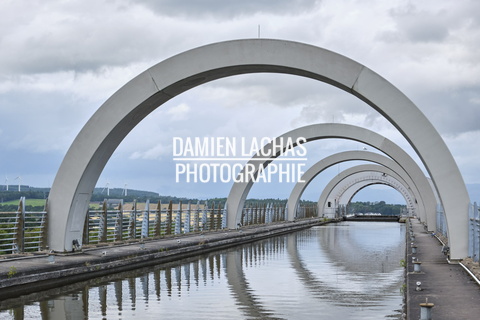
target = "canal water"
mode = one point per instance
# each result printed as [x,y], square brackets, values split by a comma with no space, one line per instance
[349,270]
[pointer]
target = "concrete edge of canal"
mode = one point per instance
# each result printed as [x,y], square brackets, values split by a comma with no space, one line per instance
[41,272]
[437,288]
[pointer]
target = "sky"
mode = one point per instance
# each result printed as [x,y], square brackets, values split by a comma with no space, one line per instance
[60,60]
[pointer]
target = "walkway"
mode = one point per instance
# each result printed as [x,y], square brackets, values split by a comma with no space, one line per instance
[453,292]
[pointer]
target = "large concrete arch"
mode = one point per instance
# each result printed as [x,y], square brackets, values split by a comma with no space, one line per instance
[345,197]
[349,174]
[91,149]
[426,210]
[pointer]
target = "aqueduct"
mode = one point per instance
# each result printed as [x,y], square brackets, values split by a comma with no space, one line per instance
[87,156]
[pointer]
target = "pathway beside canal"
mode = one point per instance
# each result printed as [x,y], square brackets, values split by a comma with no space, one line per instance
[454,293]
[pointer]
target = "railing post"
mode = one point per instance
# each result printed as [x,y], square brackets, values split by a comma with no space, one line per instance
[102,233]
[211,225]
[44,226]
[132,223]
[158,219]
[146,220]
[86,229]
[196,220]
[178,219]
[204,216]
[264,214]
[169,218]
[270,213]
[476,217]
[471,232]
[224,216]
[119,223]
[20,228]
[218,225]
[186,227]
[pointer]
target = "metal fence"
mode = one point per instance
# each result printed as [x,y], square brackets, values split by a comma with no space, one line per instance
[263,213]
[441,222]
[307,211]
[474,232]
[22,231]
[473,229]
[25,231]
[117,223]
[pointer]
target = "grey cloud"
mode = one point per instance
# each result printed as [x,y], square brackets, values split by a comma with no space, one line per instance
[79,38]
[89,50]
[417,26]
[453,112]
[226,9]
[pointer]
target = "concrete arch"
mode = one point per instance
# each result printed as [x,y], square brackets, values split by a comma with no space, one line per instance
[239,191]
[356,179]
[93,146]
[426,212]
[347,195]
[350,173]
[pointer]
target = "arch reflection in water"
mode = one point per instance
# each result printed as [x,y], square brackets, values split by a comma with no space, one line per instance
[347,270]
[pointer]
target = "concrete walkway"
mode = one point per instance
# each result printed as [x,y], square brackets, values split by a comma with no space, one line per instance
[454,293]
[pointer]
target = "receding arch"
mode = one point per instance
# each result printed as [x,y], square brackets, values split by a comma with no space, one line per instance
[239,191]
[93,146]
[350,173]
[427,210]
[347,195]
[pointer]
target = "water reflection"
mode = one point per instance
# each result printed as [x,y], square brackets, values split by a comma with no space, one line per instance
[346,271]
[342,269]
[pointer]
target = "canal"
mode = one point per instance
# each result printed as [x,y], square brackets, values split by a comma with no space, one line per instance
[349,270]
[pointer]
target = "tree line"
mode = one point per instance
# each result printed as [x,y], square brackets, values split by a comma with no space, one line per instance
[376,207]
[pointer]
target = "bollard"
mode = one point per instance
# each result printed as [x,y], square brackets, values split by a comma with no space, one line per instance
[426,310]
[51,258]
[417,266]
[418,287]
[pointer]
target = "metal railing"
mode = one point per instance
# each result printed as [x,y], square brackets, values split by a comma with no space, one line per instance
[22,231]
[474,232]
[151,221]
[262,214]
[441,222]
[307,211]
[25,231]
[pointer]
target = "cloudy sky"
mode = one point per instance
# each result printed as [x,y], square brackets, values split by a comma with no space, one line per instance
[60,60]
